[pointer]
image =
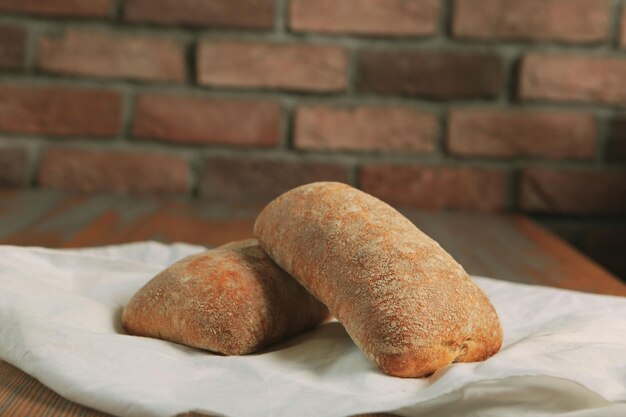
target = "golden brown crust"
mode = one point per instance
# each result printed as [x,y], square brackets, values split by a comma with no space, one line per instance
[404,301]
[232,300]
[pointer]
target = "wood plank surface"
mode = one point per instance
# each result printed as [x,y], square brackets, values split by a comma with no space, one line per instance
[21,395]
[507,247]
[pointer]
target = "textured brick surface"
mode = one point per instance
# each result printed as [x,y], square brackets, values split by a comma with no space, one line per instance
[250,14]
[272,65]
[13,166]
[616,146]
[573,78]
[76,8]
[259,181]
[117,171]
[574,191]
[12,44]
[576,21]
[442,75]
[100,54]
[437,187]
[390,17]
[186,119]
[501,133]
[365,129]
[59,111]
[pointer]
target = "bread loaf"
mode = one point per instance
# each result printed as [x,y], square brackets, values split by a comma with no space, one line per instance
[404,301]
[232,300]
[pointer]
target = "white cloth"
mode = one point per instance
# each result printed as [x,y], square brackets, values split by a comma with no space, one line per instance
[564,352]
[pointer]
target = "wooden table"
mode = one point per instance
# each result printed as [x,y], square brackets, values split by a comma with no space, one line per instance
[508,247]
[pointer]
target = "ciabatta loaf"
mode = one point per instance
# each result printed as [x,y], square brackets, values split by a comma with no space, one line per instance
[232,300]
[404,301]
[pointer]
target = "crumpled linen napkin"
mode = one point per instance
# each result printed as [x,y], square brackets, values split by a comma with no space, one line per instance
[564,352]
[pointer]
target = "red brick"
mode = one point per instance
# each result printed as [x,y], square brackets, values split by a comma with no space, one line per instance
[116,171]
[369,17]
[12,45]
[501,133]
[185,119]
[616,145]
[260,181]
[573,78]
[94,53]
[60,111]
[365,129]
[76,8]
[245,14]
[574,191]
[574,21]
[271,65]
[437,188]
[440,75]
[13,166]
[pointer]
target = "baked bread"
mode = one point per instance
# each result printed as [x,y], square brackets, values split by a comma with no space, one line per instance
[404,301]
[232,300]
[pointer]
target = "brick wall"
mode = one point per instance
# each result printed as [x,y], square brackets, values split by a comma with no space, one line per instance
[491,105]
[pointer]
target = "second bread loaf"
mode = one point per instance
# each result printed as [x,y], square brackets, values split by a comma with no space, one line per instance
[232,300]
